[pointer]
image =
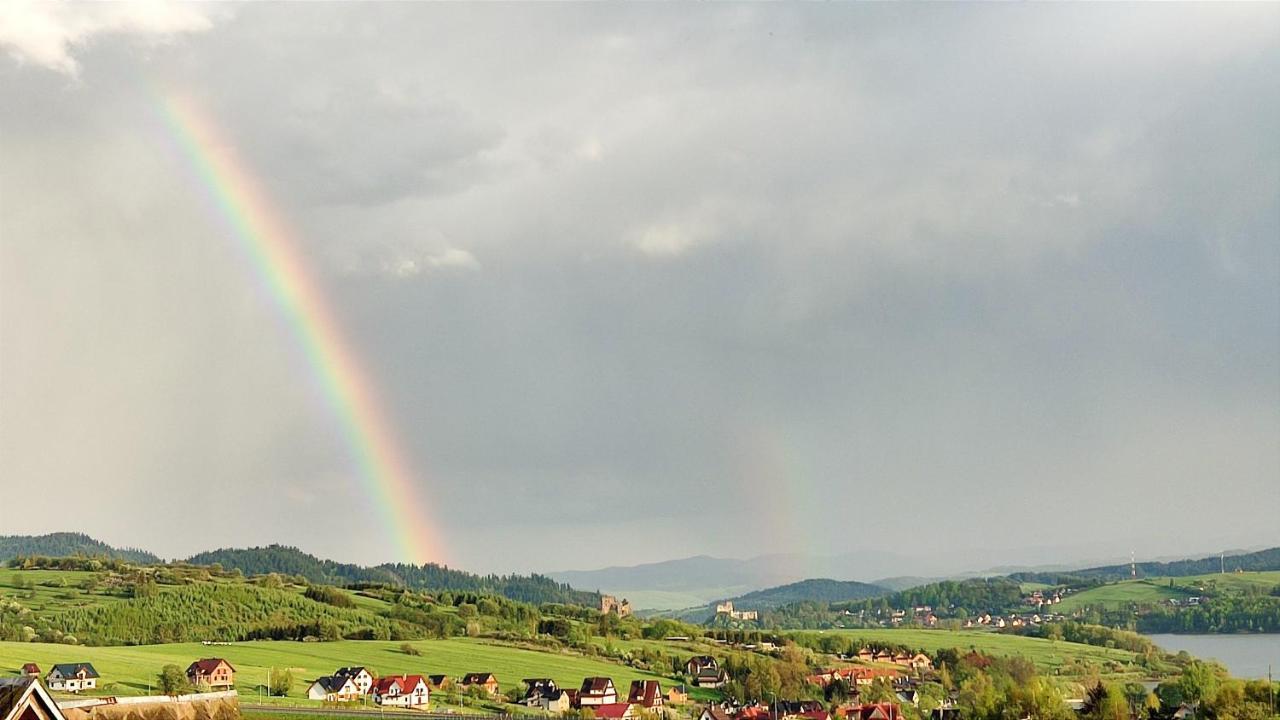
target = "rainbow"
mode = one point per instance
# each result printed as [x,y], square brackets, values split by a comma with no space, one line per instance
[267,242]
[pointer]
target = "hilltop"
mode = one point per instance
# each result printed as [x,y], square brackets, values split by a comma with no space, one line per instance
[68,544]
[292,562]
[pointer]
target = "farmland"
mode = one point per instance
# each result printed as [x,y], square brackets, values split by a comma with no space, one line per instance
[1052,657]
[132,670]
[1162,589]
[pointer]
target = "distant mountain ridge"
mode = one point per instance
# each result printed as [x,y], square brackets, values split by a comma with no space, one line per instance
[68,544]
[1260,560]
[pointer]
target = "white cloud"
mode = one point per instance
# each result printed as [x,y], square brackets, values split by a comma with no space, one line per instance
[449,258]
[49,33]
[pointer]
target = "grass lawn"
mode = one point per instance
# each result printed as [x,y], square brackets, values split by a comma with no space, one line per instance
[1048,655]
[1230,582]
[128,670]
[1121,594]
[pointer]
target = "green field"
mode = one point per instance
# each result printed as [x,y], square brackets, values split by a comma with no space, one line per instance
[128,670]
[1121,594]
[1161,589]
[1053,657]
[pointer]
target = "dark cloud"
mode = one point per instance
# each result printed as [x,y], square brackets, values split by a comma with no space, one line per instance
[638,282]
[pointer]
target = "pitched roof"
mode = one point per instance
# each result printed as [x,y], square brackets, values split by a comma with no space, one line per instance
[616,711]
[332,683]
[350,671]
[69,669]
[645,692]
[480,678]
[716,712]
[384,684]
[204,666]
[596,685]
[18,693]
[30,668]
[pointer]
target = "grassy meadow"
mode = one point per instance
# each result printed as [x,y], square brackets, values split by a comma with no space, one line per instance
[1055,657]
[1161,589]
[129,670]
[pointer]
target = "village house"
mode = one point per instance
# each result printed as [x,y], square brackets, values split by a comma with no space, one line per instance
[24,698]
[698,663]
[360,677]
[614,711]
[678,694]
[72,677]
[536,689]
[646,693]
[333,688]
[213,673]
[710,678]
[714,712]
[875,711]
[558,702]
[401,691]
[611,605]
[31,670]
[483,680]
[597,691]
[438,682]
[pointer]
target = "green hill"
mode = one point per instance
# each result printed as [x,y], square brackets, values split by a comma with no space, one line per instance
[816,590]
[292,561]
[68,544]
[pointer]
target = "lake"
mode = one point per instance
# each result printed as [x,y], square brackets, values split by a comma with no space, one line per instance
[1245,656]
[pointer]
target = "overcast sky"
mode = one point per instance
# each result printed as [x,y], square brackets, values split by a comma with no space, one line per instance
[648,281]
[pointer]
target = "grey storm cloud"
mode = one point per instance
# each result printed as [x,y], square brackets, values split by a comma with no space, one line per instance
[637,282]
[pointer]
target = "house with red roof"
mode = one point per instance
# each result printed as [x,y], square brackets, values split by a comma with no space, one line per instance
[646,693]
[31,670]
[875,711]
[614,711]
[401,691]
[213,673]
[597,691]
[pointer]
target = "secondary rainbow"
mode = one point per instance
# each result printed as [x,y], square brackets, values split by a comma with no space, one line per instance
[267,241]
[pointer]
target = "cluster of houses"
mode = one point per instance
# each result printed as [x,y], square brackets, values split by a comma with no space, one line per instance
[212,673]
[1013,620]
[911,661]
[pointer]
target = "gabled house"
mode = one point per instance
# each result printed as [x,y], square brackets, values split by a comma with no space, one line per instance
[698,663]
[678,694]
[360,676]
[438,682]
[710,678]
[714,712]
[333,688]
[72,677]
[536,689]
[557,702]
[597,691]
[483,680]
[646,693]
[24,698]
[31,670]
[401,691]
[213,673]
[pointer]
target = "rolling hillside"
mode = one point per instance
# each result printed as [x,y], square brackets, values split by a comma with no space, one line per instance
[129,670]
[816,590]
[67,544]
[1262,560]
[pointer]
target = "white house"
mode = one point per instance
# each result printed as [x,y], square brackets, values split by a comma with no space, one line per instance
[333,688]
[72,677]
[401,691]
[360,678]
